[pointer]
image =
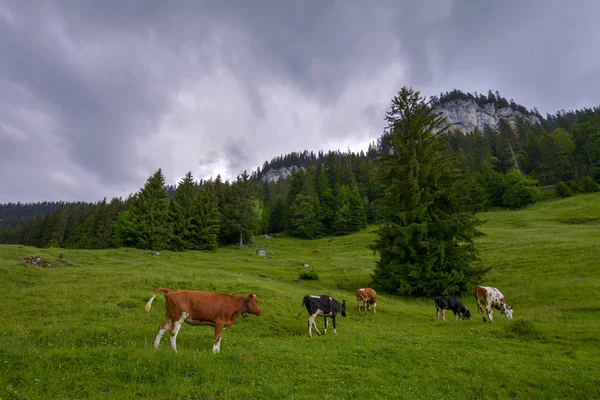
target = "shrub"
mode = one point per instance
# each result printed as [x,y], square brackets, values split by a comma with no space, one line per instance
[563,190]
[519,190]
[588,185]
[309,275]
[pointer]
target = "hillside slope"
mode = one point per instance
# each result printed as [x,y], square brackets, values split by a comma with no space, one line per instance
[79,330]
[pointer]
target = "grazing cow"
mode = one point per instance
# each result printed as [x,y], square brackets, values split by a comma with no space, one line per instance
[488,298]
[451,303]
[323,305]
[202,308]
[366,296]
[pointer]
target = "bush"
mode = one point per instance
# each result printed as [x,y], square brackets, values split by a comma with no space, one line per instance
[309,275]
[588,185]
[563,190]
[519,190]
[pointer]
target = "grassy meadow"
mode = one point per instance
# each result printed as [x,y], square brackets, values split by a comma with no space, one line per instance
[79,330]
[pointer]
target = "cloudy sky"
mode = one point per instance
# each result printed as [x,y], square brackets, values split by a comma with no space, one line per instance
[97,95]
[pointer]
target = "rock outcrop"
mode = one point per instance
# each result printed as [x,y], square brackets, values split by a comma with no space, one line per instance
[273,175]
[466,115]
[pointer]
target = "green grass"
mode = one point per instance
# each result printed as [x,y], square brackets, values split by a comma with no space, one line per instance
[80,330]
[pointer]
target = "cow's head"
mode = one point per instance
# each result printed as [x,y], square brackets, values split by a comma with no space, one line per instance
[343,308]
[506,310]
[252,305]
[466,314]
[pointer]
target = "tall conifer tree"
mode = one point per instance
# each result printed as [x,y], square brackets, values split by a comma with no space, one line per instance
[425,245]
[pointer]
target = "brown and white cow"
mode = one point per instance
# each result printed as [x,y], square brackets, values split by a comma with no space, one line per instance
[487,298]
[202,308]
[366,296]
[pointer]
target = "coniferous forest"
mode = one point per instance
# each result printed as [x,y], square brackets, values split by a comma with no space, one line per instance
[328,193]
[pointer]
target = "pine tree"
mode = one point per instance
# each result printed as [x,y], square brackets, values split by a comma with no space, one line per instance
[358,219]
[182,210]
[145,225]
[206,224]
[425,245]
[277,220]
[242,212]
[304,218]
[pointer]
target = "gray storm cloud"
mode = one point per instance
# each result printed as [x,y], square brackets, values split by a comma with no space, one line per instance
[98,95]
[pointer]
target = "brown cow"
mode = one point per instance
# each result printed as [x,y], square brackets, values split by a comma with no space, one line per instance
[489,297]
[202,308]
[366,296]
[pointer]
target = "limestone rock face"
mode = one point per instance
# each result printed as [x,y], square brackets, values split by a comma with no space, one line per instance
[466,115]
[273,175]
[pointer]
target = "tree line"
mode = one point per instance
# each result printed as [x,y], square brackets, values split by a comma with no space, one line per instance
[333,193]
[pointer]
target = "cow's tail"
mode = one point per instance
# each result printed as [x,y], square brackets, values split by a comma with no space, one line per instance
[149,303]
[301,306]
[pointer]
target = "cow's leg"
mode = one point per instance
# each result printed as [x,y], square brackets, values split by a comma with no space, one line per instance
[311,322]
[489,313]
[456,315]
[333,318]
[374,307]
[161,331]
[217,342]
[480,309]
[175,330]
[444,314]
[326,325]
[314,322]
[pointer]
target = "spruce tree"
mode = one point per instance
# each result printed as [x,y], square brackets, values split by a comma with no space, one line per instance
[145,224]
[206,223]
[182,210]
[305,221]
[425,244]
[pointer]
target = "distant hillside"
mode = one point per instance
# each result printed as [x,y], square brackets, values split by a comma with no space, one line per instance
[15,214]
[534,142]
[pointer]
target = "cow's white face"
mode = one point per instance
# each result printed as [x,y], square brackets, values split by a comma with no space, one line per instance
[507,310]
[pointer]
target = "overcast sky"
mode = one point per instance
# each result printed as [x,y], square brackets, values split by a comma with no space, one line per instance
[97,95]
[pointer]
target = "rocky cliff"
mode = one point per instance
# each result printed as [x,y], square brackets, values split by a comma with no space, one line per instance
[466,115]
[277,174]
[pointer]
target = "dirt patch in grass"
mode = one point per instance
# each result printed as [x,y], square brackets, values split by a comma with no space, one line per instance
[39,262]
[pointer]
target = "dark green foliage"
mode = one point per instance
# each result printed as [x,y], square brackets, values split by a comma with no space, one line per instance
[519,190]
[563,190]
[13,215]
[206,223]
[241,213]
[309,274]
[145,225]
[305,220]
[588,185]
[343,221]
[350,216]
[556,155]
[277,215]
[182,211]
[426,241]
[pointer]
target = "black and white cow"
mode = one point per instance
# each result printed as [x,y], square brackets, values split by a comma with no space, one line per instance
[325,306]
[451,303]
